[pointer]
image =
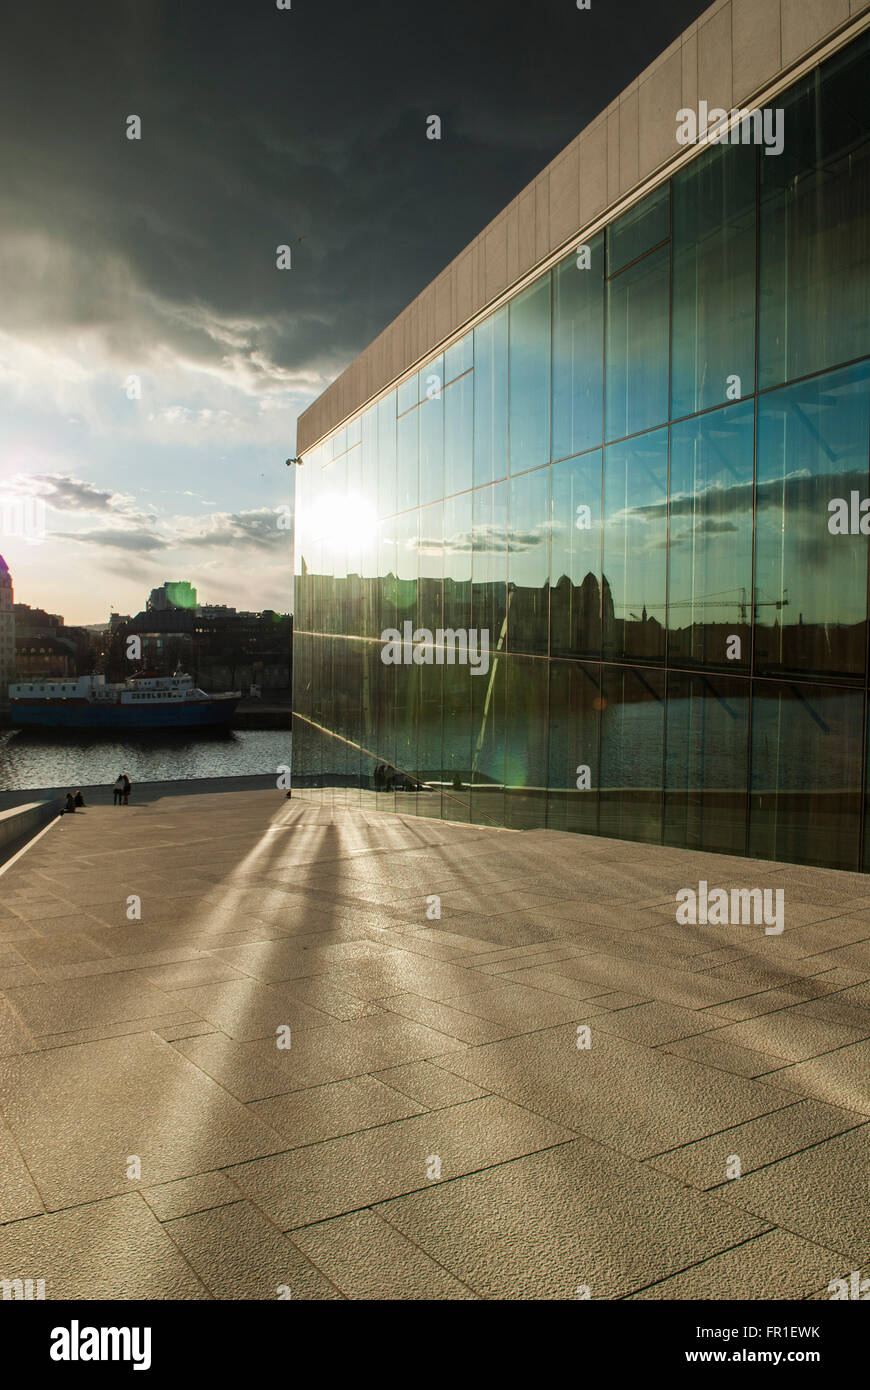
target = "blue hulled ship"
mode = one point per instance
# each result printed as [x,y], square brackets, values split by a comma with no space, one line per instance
[145,701]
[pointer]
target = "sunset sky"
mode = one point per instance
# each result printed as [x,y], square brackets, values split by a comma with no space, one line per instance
[155,258]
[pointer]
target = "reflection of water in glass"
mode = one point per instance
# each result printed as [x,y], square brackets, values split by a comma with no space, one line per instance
[37,760]
[631,740]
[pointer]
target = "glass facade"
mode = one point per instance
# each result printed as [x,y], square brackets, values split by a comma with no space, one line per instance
[602,565]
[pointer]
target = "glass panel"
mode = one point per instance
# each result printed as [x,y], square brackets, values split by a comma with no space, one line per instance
[386,447]
[488,743]
[811,581]
[635,547]
[632,729]
[387,574]
[639,229]
[408,469]
[407,394]
[354,432]
[713,342]
[459,358]
[806,761]
[573,773]
[578,351]
[458,434]
[407,721]
[706,763]
[575,565]
[489,562]
[491,398]
[430,569]
[530,377]
[456,742]
[529,562]
[710,569]
[637,346]
[431,414]
[815,200]
[525,802]
[429,742]
[406,529]
[457,561]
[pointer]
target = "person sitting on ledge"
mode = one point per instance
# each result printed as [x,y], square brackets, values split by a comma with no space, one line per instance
[79,799]
[70,804]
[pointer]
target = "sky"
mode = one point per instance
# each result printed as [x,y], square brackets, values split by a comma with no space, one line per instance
[153,358]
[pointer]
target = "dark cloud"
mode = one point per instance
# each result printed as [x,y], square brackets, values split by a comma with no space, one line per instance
[116,539]
[263,127]
[254,530]
[68,494]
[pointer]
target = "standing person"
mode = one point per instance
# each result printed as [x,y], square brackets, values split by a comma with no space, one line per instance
[127,788]
[117,791]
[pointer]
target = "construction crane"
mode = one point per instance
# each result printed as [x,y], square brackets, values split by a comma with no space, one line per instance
[713,601]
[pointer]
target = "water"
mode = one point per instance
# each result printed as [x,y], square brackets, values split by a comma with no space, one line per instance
[73,760]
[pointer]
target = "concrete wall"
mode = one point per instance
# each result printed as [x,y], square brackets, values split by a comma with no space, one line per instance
[736,49]
[25,820]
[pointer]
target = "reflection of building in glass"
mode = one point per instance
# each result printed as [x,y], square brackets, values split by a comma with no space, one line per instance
[621,463]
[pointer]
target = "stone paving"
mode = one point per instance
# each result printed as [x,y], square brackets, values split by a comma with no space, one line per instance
[435,1129]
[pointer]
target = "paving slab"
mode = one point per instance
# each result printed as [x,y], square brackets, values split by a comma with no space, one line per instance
[238,1254]
[79,1113]
[543,1226]
[639,1100]
[367,1258]
[313,1167]
[115,1249]
[342,1175]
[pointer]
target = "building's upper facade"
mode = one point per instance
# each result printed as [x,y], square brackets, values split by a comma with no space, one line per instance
[735,52]
[641,469]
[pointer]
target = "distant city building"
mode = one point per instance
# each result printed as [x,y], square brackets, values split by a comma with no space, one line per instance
[173,593]
[7,629]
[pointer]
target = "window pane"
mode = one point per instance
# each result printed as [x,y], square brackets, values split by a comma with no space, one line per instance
[639,229]
[575,564]
[408,470]
[714,279]
[632,727]
[386,447]
[456,741]
[488,744]
[635,553]
[459,358]
[406,529]
[407,394]
[529,561]
[578,352]
[430,568]
[489,562]
[431,414]
[811,584]
[706,763]
[575,714]
[806,774]
[530,377]
[637,346]
[457,561]
[525,775]
[491,398]
[710,571]
[815,199]
[458,433]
